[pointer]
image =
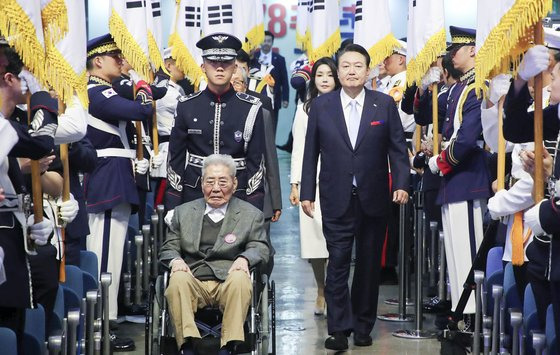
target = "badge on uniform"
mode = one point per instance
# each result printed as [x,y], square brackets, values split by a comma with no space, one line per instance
[230,238]
[238,135]
[194,131]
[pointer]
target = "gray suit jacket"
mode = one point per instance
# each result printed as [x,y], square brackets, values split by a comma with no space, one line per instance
[242,220]
[272,192]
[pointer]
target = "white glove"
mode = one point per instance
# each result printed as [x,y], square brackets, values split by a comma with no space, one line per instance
[134,76]
[39,232]
[28,82]
[141,166]
[156,160]
[168,217]
[531,219]
[432,164]
[431,77]
[68,210]
[499,86]
[535,61]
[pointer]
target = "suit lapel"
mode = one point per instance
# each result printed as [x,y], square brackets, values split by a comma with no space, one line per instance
[230,221]
[196,226]
[339,119]
[368,114]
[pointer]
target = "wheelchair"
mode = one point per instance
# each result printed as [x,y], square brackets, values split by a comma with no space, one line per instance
[260,324]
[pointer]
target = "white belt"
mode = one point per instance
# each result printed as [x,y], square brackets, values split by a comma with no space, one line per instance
[116,152]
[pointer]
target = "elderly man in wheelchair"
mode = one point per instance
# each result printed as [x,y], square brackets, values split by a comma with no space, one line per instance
[210,246]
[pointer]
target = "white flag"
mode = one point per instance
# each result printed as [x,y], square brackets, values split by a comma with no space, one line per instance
[127,25]
[66,58]
[426,37]
[324,29]
[302,38]
[21,24]
[502,34]
[184,35]
[153,26]
[372,29]
[217,16]
[248,23]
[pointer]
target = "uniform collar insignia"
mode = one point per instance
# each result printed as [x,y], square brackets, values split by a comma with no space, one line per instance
[98,80]
[468,77]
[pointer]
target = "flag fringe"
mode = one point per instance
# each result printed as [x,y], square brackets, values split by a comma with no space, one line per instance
[19,31]
[155,54]
[132,52]
[419,65]
[55,20]
[184,60]
[255,37]
[326,49]
[505,44]
[302,40]
[382,49]
[63,79]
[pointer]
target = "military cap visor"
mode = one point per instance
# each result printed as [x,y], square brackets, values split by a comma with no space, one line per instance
[461,36]
[220,47]
[101,45]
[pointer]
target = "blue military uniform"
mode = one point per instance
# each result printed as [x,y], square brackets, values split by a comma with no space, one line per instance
[465,185]
[205,124]
[34,142]
[110,189]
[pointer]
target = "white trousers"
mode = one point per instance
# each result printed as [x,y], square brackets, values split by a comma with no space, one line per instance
[107,239]
[463,234]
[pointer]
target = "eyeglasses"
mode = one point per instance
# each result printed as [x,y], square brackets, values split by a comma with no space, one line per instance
[222,183]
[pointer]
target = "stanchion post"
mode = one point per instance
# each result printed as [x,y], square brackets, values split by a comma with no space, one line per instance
[516,318]
[55,344]
[497,291]
[146,261]
[106,280]
[139,239]
[161,223]
[539,342]
[401,316]
[73,321]
[442,287]
[127,276]
[91,300]
[155,246]
[433,252]
[478,279]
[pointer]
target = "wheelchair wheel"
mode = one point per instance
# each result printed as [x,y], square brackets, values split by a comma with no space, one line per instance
[154,318]
[264,318]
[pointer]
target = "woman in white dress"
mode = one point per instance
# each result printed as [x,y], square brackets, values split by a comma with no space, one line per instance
[324,79]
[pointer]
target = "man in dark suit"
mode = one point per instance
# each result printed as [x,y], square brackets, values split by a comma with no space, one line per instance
[355,131]
[266,57]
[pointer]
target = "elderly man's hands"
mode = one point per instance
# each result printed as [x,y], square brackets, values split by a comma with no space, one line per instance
[240,264]
[180,265]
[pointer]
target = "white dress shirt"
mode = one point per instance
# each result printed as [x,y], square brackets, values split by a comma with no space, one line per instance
[265,59]
[345,100]
[216,214]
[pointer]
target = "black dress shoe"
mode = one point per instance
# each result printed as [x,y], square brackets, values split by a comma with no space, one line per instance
[337,341]
[435,305]
[362,339]
[121,343]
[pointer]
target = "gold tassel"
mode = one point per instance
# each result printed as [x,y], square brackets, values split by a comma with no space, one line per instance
[509,39]
[382,49]
[419,65]
[55,20]
[327,49]
[184,60]
[155,54]
[128,45]
[254,38]
[21,34]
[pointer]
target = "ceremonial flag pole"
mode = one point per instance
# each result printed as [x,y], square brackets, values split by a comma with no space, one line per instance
[435,121]
[538,125]
[501,183]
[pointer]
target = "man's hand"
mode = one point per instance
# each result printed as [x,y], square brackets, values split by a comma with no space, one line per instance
[141,166]
[180,265]
[28,82]
[67,210]
[156,160]
[285,104]
[400,197]
[240,264]
[528,160]
[432,76]
[44,162]
[308,207]
[535,61]
[499,87]
[276,215]
[41,231]
[432,164]
[294,195]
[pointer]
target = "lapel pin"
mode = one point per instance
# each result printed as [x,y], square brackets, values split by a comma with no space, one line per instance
[230,238]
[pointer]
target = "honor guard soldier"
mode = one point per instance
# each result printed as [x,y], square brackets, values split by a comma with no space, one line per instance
[462,162]
[216,120]
[110,190]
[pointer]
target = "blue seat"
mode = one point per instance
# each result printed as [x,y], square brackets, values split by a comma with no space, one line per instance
[530,318]
[75,280]
[494,260]
[510,289]
[90,283]
[89,263]
[58,312]
[551,340]
[8,340]
[34,331]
